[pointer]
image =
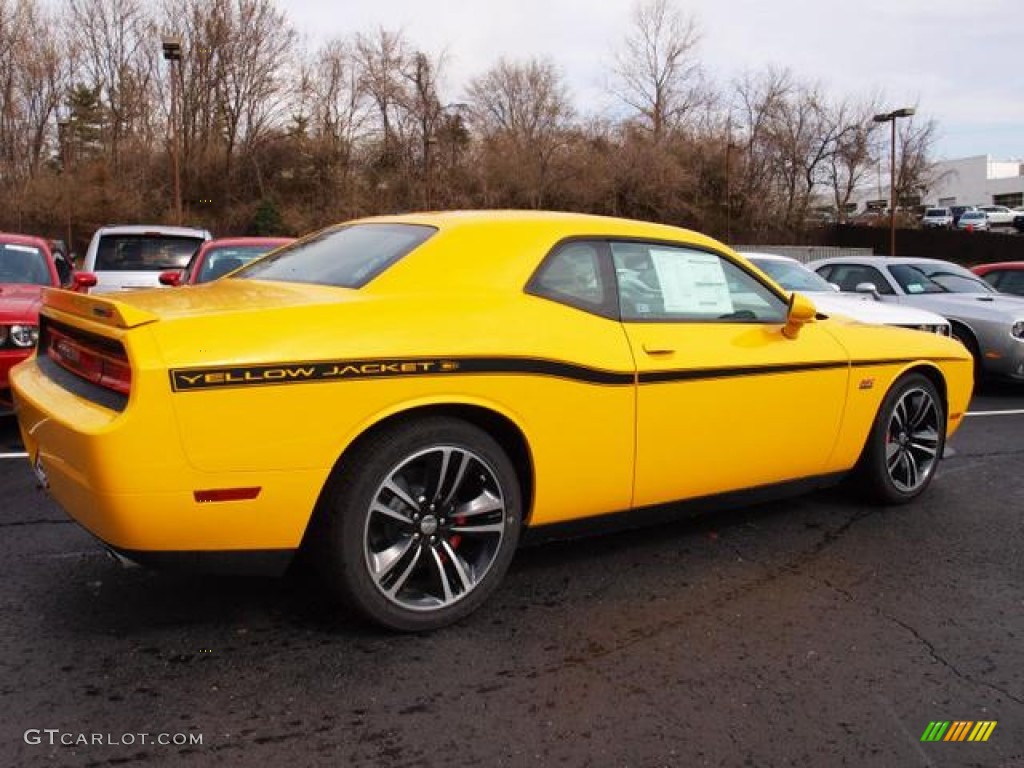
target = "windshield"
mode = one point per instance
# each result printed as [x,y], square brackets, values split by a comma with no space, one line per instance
[347,256]
[792,276]
[936,212]
[220,261]
[927,277]
[128,253]
[23,264]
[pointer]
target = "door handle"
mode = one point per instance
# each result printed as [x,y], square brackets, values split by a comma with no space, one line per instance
[651,349]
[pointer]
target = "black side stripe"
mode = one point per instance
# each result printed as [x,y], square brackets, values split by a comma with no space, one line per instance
[902,361]
[699,374]
[275,374]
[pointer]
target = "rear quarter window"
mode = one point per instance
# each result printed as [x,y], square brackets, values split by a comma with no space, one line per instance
[347,257]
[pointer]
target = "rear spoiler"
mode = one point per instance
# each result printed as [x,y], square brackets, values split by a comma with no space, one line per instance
[99,309]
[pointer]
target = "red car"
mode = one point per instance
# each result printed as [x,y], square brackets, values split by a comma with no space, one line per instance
[216,258]
[26,267]
[1005,277]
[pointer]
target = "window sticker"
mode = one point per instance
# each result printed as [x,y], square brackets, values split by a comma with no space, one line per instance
[915,288]
[692,282]
[21,248]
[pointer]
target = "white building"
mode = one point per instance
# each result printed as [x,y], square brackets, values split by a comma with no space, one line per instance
[978,180]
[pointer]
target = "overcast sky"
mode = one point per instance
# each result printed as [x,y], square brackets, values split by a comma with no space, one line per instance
[960,63]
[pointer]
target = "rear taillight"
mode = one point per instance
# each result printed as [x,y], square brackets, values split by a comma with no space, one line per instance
[96,359]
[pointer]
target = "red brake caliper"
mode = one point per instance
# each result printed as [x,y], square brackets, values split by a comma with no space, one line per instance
[455,540]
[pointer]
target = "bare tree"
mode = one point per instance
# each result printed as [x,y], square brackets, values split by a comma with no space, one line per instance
[657,73]
[522,113]
[116,40]
[915,172]
[423,107]
[382,59]
[33,76]
[853,158]
[332,101]
[758,98]
[250,65]
[204,31]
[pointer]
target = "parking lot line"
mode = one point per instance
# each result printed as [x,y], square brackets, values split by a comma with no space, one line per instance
[14,455]
[1016,412]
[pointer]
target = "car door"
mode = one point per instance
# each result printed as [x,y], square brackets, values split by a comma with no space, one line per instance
[725,401]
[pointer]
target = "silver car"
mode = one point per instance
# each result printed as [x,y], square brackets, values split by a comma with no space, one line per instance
[973,220]
[794,276]
[990,324]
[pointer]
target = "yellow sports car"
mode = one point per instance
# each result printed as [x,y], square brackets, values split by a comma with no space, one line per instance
[404,396]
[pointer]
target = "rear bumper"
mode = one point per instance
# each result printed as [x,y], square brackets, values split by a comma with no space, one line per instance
[125,478]
[266,562]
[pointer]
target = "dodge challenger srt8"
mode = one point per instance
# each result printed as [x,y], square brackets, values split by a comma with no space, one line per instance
[404,397]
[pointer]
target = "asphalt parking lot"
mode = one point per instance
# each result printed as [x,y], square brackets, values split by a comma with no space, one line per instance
[814,632]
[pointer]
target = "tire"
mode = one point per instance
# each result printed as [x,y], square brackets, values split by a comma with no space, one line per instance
[905,443]
[420,523]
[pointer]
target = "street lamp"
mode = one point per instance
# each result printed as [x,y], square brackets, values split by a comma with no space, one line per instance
[890,117]
[172,54]
[64,139]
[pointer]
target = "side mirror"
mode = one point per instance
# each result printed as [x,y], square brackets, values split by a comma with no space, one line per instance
[835,287]
[171,277]
[81,282]
[801,311]
[868,288]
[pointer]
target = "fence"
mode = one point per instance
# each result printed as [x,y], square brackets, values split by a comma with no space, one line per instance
[806,253]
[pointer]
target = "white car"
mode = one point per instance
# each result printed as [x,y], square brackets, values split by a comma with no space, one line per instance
[794,276]
[133,256]
[998,215]
[940,218]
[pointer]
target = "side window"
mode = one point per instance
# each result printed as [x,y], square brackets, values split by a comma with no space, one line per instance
[572,275]
[1007,281]
[667,283]
[993,278]
[849,276]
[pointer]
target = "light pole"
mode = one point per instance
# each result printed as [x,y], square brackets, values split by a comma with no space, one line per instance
[890,117]
[729,147]
[172,54]
[64,139]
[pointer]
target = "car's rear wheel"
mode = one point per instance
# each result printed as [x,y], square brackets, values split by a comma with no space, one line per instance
[421,523]
[905,443]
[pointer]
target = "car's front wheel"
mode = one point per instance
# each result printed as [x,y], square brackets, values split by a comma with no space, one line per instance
[421,523]
[905,443]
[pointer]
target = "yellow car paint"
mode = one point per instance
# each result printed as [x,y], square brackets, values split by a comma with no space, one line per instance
[247,383]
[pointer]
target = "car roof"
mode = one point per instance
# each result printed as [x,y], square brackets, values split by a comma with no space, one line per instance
[881,260]
[769,257]
[157,229]
[507,241]
[19,239]
[1014,265]
[546,224]
[237,242]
